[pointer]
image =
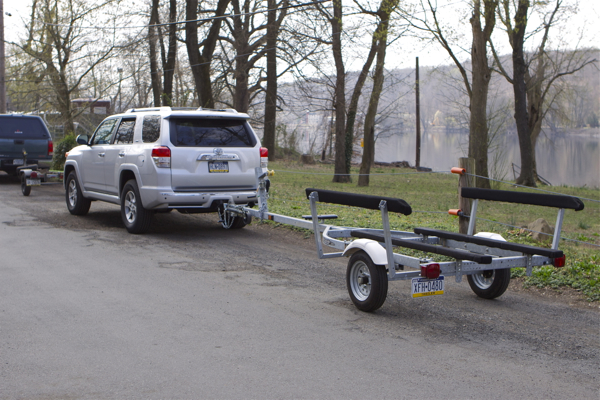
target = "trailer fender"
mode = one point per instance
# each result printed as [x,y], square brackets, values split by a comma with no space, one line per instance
[491,235]
[371,247]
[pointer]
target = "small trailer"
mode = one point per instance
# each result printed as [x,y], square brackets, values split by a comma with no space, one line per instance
[32,175]
[485,258]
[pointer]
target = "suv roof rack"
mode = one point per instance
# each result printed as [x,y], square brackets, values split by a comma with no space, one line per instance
[143,109]
[155,109]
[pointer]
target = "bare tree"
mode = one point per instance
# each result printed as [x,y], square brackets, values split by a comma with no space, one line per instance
[152,43]
[169,56]
[477,88]
[273,29]
[200,62]
[532,79]
[57,41]
[341,173]
[380,36]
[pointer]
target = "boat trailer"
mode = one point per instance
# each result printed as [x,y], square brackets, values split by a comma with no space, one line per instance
[485,258]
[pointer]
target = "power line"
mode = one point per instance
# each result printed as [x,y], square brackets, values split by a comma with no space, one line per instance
[192,20]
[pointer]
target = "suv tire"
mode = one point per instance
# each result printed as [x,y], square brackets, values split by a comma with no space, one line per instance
[76,203]
[135,217]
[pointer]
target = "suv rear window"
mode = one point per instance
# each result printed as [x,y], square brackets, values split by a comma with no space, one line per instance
[206,132]
[22,128]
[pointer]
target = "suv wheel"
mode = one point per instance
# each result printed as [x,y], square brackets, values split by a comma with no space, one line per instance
[76,203]
[135,217]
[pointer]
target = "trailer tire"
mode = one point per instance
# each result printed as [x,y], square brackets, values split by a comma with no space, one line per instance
[230,221]
[76,203]
[367,282]
[135,217]
[490,284]
[26,190]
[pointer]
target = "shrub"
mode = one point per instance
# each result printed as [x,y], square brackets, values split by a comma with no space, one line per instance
[64,145]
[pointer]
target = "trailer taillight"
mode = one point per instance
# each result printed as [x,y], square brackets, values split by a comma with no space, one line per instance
[264,157]
[559,262]
[430,271]
[162,156]
[50,148]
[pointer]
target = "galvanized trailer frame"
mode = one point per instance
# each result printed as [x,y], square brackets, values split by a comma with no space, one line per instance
[31,175]
[484,259]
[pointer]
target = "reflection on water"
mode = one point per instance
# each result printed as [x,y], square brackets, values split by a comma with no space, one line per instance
[572,160]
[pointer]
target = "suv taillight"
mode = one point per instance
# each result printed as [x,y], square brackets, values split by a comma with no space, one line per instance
[162,156]
[50,148]
[264,157]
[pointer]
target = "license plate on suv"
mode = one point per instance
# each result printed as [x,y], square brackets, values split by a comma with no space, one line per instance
[420,287]
[218,166]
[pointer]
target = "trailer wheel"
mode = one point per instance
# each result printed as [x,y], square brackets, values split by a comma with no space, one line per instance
[76,203]
[24,188]
[135,217]
[232,221]
[491,283]
[367,282]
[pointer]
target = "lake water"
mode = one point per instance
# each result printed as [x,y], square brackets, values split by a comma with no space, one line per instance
[572,160]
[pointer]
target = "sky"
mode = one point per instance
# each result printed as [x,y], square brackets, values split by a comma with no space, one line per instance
[403,52]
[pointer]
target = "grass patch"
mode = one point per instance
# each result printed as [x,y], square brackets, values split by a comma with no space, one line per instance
[431,195]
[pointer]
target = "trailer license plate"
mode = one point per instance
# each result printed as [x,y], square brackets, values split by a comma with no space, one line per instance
[427,287]
[218,166]
[33,182]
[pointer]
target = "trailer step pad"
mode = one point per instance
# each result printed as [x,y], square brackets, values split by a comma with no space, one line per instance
[522,248]
[324,216]
[445,251]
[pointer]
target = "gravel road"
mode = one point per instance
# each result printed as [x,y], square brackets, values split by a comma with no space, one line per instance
[194,311]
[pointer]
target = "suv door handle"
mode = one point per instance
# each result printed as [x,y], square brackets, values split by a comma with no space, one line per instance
[122,154]
[101,154]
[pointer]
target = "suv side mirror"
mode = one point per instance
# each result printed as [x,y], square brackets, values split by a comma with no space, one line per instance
[82,139]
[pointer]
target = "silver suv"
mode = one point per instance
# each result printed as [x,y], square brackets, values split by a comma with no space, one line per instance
[153,160]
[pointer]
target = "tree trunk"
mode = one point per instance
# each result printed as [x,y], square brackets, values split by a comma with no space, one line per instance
[271,92]
[534,110]
[352,109]
[200,63]
[242,95]
[341,174]
[534,105]
[191,44]
[480,80]
[169,66]
[520,91]
[154,73]
[368,157]
[63,96]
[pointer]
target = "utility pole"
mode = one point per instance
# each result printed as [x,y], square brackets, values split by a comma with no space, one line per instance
[2,62]
[418,158]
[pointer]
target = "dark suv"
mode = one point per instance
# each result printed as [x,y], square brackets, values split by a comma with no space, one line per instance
[20,135]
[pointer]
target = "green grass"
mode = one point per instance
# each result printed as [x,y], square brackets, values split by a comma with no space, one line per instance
[431,195]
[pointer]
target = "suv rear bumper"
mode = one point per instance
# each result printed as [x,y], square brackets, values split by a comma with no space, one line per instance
[152,199]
